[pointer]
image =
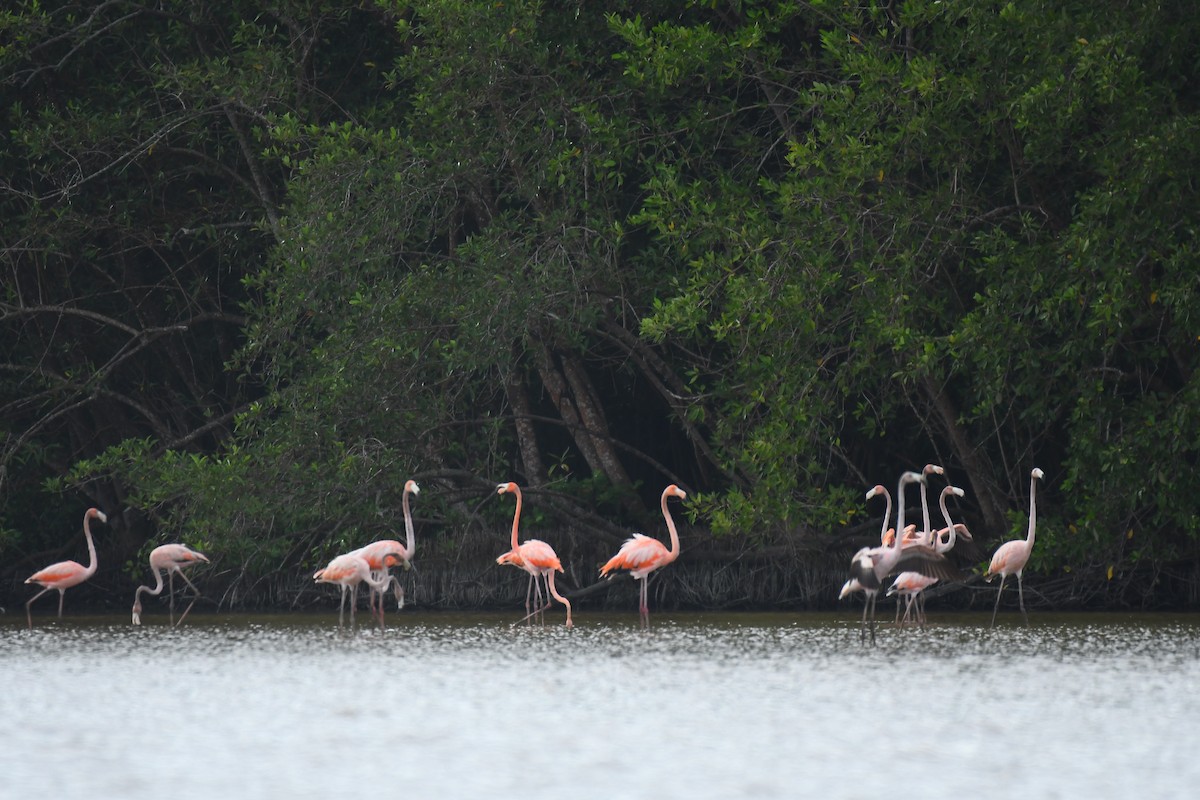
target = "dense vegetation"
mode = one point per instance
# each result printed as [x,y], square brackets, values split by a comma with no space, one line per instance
[263,261]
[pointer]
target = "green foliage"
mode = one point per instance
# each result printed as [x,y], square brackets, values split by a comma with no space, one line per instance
[797,248]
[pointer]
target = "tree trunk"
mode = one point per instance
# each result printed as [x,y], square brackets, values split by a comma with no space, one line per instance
[531,455]
[595,425]
[983,482]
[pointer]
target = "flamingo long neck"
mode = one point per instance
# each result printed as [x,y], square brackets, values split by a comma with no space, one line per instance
[381,584]
[516,517]
[887,514]
[927,530]
[158,586]
[900,508]
[554,593]
[1032,511]
[673,553]
[408,526]
[87,533]
[951,537]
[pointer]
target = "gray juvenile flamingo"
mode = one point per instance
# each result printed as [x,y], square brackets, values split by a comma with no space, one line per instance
[65,574]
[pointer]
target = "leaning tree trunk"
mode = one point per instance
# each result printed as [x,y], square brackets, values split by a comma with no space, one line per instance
[983,481]
[531,455]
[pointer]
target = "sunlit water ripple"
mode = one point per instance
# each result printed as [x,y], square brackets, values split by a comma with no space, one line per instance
[753,705]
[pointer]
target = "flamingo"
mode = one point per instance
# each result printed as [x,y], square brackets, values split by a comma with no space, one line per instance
[641,555]
[513,556]
[348,571]
[169,558]
[65,574]
[535,557]
[1010,558]
[377,554]
[871,565]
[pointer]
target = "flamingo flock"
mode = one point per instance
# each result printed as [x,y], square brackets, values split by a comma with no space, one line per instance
[917,558]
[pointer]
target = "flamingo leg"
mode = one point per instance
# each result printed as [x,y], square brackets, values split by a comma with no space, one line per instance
[1021,597]
[171,594]
[28,613]
[873,598]
[188,580]
[998,592]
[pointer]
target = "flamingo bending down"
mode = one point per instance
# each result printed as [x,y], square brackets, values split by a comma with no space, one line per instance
[641,555]
[65,574]
[383,554]
[871,565]
[348,571]
[1011,557]
[169,558]
[535,557]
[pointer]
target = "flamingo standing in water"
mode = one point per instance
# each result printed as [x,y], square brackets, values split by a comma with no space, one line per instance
[1011,557]
[171,559]
[381,555]
[641,555]
[535,557]
[871,565]
[65,574]
[348,571]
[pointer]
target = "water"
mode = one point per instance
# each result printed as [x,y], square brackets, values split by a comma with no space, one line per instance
[698,706]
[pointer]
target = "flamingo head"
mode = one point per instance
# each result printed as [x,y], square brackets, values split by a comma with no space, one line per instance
[96,513]
[676,491]
[396,560]
[849,587]
[501,488]
[933,469]
[876,489]
[411,486]
[954,490]
[1037,474]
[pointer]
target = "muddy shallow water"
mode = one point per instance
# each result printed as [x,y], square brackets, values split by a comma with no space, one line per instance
[697,705]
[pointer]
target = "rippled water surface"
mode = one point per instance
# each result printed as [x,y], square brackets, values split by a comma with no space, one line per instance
[697,706]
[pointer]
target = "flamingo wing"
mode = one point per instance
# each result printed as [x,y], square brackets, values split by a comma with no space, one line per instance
[380,554]
[640,553]
[540,555]
[1010,558]
[62,575]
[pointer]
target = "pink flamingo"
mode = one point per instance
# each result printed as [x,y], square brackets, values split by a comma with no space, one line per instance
[348,571]
[513,556]
[65,574]
[641,555]
[871,565]
[171,559]
[1011,557]
[535,557]
[380,555]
